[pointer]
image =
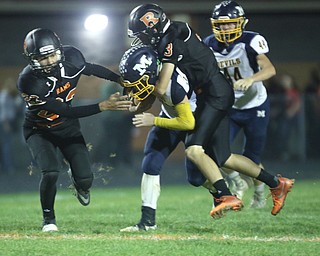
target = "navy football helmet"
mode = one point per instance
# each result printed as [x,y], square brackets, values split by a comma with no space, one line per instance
[39,44]
[148,22]
[139,69]
[228,12]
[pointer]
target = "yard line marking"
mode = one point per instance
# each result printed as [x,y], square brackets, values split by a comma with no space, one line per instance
[56,236]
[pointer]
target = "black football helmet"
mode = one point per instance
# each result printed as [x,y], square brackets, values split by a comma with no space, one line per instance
[228,12]
[139,69]
[40,43]
[148,22]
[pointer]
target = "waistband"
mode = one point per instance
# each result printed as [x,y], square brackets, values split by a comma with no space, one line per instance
[46,125]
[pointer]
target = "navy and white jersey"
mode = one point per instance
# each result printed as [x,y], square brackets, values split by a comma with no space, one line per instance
[48,98]
[237,61]
[177,89]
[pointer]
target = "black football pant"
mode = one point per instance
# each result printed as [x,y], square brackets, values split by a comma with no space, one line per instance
[44,149]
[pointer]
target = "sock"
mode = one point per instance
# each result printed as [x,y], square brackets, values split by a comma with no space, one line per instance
[271,180]
[222,189]
[48,215]
[150,190]
[148,216]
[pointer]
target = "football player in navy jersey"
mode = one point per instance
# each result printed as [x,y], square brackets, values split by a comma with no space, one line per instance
[139,68]
[241,56]
[48,85]
[178,46]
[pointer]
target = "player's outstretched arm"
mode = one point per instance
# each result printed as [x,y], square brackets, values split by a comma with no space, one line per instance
[116,101]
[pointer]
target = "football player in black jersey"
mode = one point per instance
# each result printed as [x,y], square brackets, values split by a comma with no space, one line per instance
[48,85]
[178,46]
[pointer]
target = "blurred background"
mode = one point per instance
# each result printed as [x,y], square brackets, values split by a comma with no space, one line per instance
[290,27]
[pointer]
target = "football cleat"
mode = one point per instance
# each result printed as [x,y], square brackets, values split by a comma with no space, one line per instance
[279,193]
[258,201]
[238,187]
[49,225]
[82,196]
[224,204]
[50,228]
[139,227]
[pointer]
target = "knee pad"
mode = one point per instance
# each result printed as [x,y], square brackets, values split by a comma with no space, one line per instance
[49,178]
[195,177]
[152,163]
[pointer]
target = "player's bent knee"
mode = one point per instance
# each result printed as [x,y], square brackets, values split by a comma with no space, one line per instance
[50,177]
[193,152]
[84,183]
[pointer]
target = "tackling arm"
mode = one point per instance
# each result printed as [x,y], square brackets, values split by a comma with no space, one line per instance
[184,121]
[101,72]
[164,79]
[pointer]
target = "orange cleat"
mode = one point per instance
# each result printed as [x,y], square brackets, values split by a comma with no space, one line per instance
[279,194]
[224,204]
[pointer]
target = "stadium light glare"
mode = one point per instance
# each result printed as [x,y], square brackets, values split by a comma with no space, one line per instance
[96,22]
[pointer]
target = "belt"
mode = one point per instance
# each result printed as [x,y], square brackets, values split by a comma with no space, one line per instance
[48,125]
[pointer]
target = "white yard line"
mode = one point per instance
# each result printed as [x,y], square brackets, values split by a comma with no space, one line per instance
[57,236]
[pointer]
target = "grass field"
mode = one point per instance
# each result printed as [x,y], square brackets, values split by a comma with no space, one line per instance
[185,227]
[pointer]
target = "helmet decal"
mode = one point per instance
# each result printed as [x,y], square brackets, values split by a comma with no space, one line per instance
[142,66]
[149,19]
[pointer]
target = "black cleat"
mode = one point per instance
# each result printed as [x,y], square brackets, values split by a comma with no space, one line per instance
[82,196]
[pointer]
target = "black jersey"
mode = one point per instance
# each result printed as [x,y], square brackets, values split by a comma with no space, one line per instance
[184,48]
[48,98]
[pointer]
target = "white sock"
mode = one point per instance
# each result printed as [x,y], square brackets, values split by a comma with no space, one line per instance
[150,190]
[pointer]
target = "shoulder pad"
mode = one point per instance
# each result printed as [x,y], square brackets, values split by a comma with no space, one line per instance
[247,36]
[74,56]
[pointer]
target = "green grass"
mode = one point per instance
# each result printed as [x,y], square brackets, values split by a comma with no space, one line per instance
[185,227]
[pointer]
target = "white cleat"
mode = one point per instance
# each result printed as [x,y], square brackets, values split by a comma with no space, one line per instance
[258,201]
[137,228]
[239,187]
[50,228]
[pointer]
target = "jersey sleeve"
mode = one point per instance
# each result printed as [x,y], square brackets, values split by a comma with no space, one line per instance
[35,96]
[177,91]
[259,44]
[184,121]
[65,110]
[101,72]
